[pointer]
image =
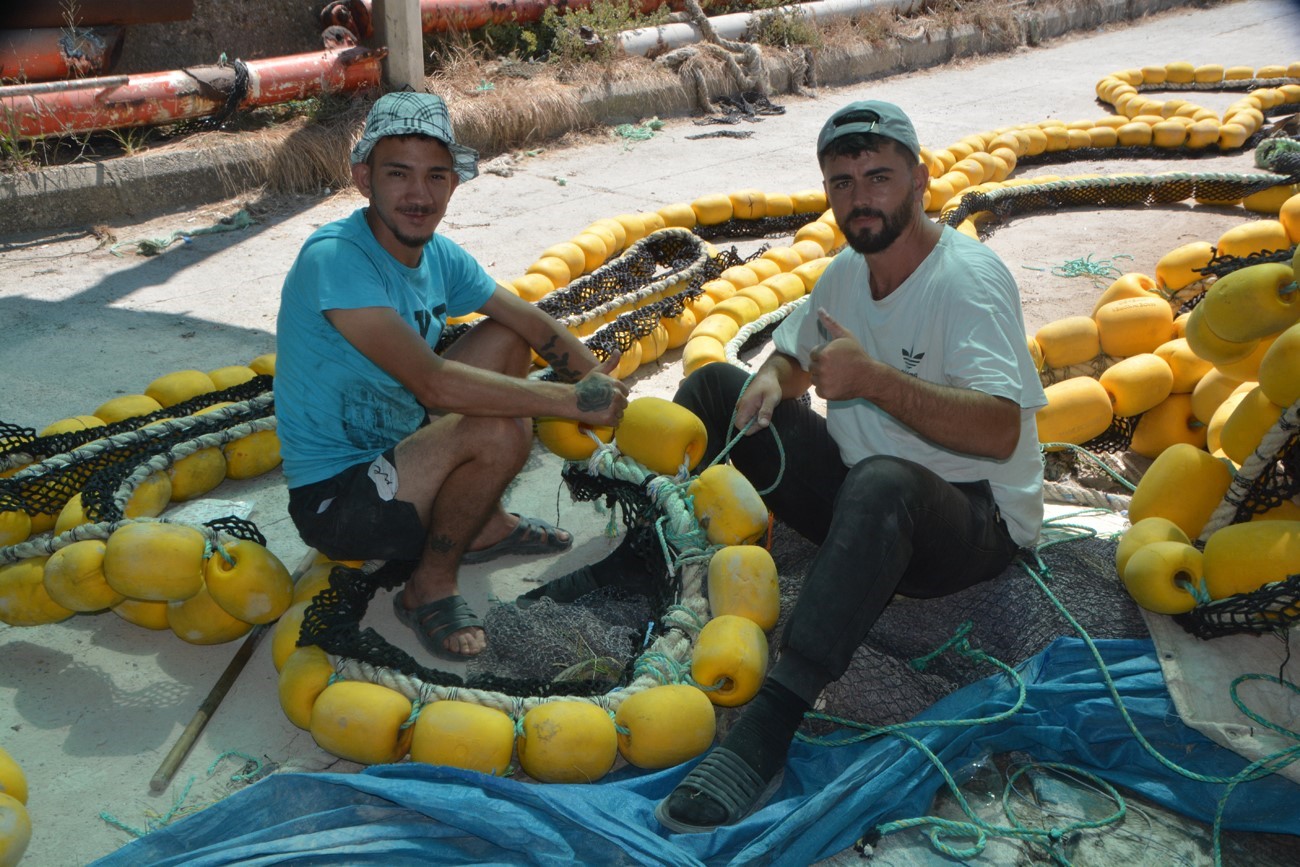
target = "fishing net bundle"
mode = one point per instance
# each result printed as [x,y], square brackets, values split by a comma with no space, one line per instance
[1270,476]
[106,464]
[895,674]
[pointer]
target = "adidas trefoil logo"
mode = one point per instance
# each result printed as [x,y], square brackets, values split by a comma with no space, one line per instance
[911,359]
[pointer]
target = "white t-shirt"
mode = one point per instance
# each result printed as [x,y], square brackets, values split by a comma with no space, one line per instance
[955,321]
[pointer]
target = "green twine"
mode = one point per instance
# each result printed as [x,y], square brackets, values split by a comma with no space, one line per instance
[735,438]
[1088,267]
[639,132]
[179,808]
[661,667]
[1080,450]
[1268,151]
[1254,771]
[154,246]
[977,830]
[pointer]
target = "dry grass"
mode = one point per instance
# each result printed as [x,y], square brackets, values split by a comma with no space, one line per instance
[501,105]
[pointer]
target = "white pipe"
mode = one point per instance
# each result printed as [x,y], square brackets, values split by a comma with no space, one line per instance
[643,40]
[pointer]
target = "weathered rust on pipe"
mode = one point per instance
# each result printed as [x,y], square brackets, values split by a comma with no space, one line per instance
[69,84]
[169,97]
[48,53]
[438,16]
[93,13]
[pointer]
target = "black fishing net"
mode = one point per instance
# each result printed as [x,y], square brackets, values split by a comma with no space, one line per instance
[1011,619]
[1225,264]
[585,648]
[764,227]
[1273,607]
[1121,191]
[90,463]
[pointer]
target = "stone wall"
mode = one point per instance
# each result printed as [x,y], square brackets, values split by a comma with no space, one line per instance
[241,29]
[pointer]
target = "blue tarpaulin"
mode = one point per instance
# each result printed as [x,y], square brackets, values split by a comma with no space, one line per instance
[413,813]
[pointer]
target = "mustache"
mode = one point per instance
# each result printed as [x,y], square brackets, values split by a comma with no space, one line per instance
[866,212]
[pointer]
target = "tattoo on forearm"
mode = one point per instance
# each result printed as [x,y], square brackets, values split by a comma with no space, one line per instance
[593,395]
[440,544]
[558,361]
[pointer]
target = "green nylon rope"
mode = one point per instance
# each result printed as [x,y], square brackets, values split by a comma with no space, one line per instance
[978,830]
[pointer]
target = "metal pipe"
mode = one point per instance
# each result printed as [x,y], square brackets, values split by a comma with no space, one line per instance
[438,16]
[92,13]
[49,53]
[169,97]
[70,84]
[645,40]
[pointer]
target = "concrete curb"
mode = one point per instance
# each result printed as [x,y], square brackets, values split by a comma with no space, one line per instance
[157,182]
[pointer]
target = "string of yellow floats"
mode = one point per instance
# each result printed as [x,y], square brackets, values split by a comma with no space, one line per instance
[1187,376]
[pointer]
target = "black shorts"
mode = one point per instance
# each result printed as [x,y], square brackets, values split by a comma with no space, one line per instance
[354,515]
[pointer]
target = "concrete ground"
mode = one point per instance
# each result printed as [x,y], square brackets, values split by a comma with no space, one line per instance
[90,707]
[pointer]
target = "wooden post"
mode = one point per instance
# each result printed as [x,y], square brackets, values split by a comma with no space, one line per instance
[397,26]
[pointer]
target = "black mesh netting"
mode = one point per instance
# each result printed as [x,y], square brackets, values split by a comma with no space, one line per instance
[1274,606]
[1011,616]
[99,469]
[543,650]
[1121,191]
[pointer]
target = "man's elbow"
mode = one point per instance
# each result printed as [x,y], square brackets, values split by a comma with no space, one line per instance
[1006,433]
[1004,445]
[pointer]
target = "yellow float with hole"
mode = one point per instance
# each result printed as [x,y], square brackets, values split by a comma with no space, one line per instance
[728,508]
[248,581]
[362,722]
[13,782]
[729,660]
[661,435]
[570,439]
[1159,574]
[1137,383]
[179,386]
[1078,409]
[1252,303]
[15,830]
[252,455]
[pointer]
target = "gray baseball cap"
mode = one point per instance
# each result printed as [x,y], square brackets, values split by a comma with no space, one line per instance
[870,116]
[411,113]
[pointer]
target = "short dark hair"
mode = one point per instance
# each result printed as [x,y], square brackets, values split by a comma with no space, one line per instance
[855,143]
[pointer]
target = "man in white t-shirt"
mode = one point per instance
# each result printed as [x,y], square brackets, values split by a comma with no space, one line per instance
[923,478]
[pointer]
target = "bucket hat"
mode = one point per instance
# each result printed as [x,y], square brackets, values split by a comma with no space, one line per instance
[411,113]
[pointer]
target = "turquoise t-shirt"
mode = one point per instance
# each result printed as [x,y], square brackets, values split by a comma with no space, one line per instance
[334,407]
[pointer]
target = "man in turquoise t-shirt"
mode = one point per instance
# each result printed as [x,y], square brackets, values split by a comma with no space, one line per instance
[391,451]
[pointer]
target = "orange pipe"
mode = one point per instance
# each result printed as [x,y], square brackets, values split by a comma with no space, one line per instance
[89,13]
[441,15]
[49,53]
[169,97]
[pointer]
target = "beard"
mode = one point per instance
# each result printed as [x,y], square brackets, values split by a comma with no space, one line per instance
[892,225]
[412,241]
